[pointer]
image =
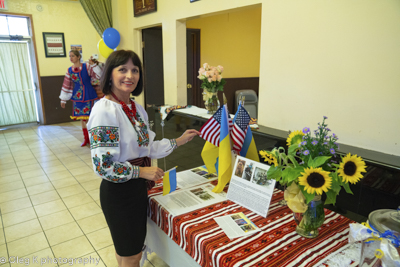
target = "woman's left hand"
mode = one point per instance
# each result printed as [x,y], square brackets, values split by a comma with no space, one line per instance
[187,136]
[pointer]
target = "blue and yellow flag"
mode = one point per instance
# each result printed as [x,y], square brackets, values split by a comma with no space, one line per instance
[169,181]
[224,153]
[210,155]
[249,149]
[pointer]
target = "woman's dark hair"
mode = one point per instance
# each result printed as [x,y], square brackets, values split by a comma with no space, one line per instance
[118,58]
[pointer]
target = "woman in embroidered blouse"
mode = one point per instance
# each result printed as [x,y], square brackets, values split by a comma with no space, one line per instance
[121,147]
[78,87]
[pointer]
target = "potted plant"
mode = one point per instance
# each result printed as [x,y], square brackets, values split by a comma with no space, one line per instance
[311,167]
[212,82]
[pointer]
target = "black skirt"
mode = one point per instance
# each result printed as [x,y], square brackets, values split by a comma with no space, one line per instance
[125,208]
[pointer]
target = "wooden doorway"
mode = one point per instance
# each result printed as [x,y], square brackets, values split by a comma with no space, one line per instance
[194,92]
[153,67]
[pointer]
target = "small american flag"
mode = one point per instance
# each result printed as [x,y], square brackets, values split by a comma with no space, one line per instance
[211,129]
[242,120]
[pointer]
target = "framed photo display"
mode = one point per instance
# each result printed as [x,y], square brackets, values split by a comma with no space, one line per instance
[54,44]
[142,7]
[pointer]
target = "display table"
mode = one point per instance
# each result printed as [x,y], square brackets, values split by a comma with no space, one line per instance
[194,238]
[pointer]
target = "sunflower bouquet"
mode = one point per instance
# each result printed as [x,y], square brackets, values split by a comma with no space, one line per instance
[312,167]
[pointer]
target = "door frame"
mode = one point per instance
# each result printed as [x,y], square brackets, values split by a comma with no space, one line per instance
[197,98]
[34,65]
[196,83]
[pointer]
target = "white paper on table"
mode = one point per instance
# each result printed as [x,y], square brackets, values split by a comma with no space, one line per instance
[249,186]
[200,112]
[194,177]
[196,111]
[187,200]
[236,225]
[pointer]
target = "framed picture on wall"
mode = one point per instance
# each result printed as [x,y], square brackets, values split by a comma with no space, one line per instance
[54,44]
[142,7]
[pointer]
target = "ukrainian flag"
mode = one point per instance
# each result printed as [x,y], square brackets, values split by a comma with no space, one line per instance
[210,155]
[249,149]
[169,181]
[224,153]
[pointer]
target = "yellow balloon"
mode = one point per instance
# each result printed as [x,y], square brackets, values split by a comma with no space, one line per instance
[104,50]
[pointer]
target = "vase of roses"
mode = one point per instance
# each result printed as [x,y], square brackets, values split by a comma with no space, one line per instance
[212,83]
[310,168]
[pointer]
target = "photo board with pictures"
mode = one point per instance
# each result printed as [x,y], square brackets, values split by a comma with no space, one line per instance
[249,186]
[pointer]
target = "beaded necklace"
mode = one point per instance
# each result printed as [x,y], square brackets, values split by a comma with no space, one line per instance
[131,114]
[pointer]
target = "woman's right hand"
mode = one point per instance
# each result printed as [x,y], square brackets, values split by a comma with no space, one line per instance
[151,173]
[62,104]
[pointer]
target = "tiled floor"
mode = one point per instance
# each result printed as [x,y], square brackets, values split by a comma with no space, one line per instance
[49,198]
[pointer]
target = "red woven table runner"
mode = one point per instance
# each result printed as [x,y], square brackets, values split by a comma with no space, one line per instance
[276,245]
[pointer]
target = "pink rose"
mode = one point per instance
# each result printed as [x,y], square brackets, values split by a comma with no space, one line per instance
[205,66]
[220,68]
[219,77]
[209,80]
[214,78]
[201,70]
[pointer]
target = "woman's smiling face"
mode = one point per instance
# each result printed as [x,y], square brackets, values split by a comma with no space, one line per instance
[125,78]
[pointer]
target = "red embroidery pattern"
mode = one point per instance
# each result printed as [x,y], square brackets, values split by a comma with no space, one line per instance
[277,244]
[134,118]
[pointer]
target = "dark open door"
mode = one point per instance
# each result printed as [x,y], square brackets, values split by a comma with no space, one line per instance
[153,67]
[194,96]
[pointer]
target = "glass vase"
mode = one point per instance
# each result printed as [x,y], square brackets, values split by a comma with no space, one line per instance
[211,102]
[309,221]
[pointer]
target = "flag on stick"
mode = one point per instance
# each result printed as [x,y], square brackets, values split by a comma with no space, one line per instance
[210,131]
[169,181]
[249,149]
[210,154]
[240,123]
[224,153]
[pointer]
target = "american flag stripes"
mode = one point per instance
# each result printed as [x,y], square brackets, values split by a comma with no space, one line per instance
[238,133]
[211,129]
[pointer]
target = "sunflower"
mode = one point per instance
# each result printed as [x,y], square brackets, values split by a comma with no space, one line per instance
[350,168]
[269,158]
[315,180]
[295,138]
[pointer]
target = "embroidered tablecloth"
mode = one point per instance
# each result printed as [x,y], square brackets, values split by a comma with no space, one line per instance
[277,244]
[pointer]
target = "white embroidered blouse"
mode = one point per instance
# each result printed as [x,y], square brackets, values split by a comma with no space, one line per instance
[114,141]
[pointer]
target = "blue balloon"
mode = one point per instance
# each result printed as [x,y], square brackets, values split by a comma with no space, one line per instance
[111,38]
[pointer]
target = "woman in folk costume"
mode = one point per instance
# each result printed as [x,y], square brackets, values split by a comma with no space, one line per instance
[78,86]
[122,146]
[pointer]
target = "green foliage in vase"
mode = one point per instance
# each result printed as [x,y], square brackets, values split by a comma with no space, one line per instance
[312,163]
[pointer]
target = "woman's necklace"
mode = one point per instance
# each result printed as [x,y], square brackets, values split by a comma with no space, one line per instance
[131,114]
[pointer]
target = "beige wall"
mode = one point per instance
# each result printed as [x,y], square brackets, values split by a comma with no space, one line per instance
[58,16]
[241,59]
[335,58]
